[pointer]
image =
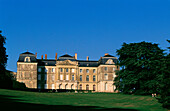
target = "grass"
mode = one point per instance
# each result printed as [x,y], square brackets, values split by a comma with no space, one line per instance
[27,101]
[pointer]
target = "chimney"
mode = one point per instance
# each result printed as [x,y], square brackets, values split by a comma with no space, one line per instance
[55,56]
[87,58]
[36,55]
[106,54]
[75,55]
[45,56]
[42,57]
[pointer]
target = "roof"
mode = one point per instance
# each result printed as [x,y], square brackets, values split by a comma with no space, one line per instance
[46,62]
[27,53]
[108,56]
[83,63]
[66,57]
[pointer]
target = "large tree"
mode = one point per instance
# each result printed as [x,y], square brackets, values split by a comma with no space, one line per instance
[140,68]
[4,78]
[165,81]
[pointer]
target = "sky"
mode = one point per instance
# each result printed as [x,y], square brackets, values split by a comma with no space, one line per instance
[86,27]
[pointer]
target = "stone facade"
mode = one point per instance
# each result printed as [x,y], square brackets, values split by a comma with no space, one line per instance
[66,72]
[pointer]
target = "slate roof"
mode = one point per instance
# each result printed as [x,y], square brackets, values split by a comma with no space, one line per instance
[108,56]
[104,60]
[66,57]
[83,63]
[46,62]
[27,54]
[52,62]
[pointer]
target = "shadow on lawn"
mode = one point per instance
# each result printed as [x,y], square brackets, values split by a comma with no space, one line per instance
[8,103]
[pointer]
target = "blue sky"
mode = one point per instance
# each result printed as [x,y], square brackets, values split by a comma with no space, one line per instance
[87,27]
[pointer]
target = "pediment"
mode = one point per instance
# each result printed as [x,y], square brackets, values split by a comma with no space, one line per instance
[110,61]
[66,62]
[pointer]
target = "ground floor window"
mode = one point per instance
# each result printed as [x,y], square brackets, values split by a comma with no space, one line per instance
[80,86]
[87,87]
[105,86]
[72,86]
[60,86]
[45,86]
[66,86]
[94,87]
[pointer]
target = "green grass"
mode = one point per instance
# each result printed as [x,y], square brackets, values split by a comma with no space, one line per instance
[27,101]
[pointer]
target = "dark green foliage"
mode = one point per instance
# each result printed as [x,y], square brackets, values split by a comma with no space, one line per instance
[165,82]
[18,85]
[5,81]
[141,65]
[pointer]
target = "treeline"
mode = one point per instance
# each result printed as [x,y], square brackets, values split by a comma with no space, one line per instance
[144,70]
[6,79]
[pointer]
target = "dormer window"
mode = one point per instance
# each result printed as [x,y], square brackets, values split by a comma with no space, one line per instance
[27,59]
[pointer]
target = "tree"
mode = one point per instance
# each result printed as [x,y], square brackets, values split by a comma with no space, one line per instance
[140,68]
[165,82]
[4,79]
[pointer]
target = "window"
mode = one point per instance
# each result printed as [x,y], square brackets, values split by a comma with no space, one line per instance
[66,86]
[105,68]
[80,70]
[45,77]
[87,78]
[105,76]
[80,86]
[94,87]
[73,70]
[66,69]
[110,61]
[105,86]
[39,69]
[72,78]
[61,77]
[27,59]
[94,71]
[46,69]
[66,77]
[52,86]
[94,78]
[39,86]
[87,87]
[39,77]
[87,70]
[53,69]
[32,66]
[72,86]
[61,69]
[60,86]
[114,69]
[45,86]
[53,77]
[80,77]
[114,75]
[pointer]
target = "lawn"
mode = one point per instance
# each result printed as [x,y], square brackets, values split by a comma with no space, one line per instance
[27,101]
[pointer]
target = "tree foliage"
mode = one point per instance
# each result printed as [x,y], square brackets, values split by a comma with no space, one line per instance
[141,65]
[5,80]
[165,82]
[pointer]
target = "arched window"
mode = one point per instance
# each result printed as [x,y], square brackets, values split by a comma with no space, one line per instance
[106,86]
[87,87]
[66,86]
[72,86]
[94,87]
[60,86]
[27,59]
[80,86]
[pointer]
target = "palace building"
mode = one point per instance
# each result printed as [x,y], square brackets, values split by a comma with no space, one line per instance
[67,72]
